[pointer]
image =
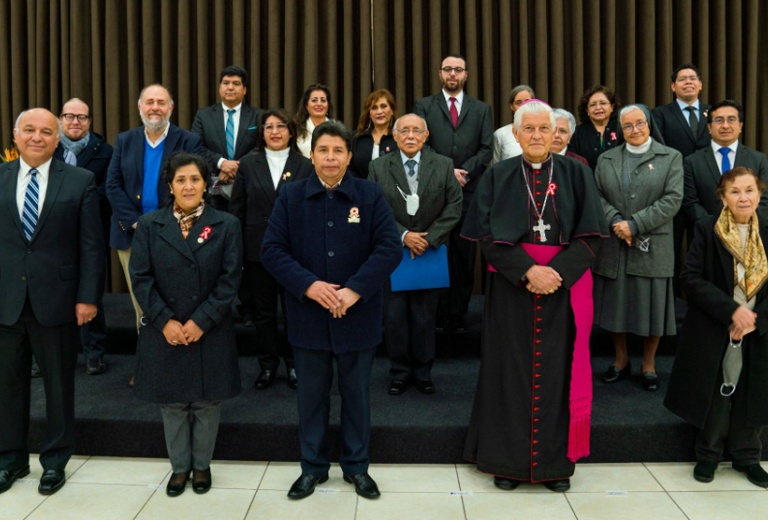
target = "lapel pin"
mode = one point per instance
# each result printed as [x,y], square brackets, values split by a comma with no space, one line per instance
[354,216]
[650,167]
[204,235]
[286,176]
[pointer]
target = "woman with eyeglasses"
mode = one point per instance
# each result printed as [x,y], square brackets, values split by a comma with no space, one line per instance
[373,137]
[641,188]
[315,108]
[599,129]
[504,143]
[257,184]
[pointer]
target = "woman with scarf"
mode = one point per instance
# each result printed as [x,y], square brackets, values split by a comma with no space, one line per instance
[718,381]
[185,268]
[641,188]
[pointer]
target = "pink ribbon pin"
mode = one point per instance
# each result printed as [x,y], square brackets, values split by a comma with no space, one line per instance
[206,232]
[551,188]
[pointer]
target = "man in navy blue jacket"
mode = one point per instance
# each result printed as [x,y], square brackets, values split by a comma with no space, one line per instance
[332,242]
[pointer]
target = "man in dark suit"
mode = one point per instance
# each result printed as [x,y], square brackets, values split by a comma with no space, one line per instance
[52,257]
[227,132]
[134,180]
[704,168]
[409,316]
[332,244]
[461,127]
[81,147]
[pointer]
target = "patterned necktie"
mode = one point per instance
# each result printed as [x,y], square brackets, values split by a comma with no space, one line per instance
[31,201]
[411,164]
[726,164]
[230,131]
[693,120]
[454,112]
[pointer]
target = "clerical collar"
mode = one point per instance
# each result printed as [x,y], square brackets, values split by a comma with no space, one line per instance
[537,166]
[642,148]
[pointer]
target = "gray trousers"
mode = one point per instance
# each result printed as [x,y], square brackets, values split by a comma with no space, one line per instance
[190,433]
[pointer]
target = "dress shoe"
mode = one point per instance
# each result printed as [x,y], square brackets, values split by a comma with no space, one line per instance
[248,320]
[425,386]
[558,486]
[95,366]
[265,379]
[457,325]
[396,387]
[441,324]
[704,471]
[507,484]
[613,374]
[8,477]
[755,474]
[177,484]
[293,381]
[201,480]
[650,381]
[305,485]
[35,371]
[365,486]
[51,481]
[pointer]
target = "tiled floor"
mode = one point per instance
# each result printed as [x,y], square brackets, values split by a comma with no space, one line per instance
[102,488]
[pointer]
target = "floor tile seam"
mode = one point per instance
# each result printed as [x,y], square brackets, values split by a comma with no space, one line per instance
[679,506]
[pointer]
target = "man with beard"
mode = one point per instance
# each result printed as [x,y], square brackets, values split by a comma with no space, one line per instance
[460,127]
[134,185]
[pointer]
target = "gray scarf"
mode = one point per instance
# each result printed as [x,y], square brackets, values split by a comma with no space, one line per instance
[75,146]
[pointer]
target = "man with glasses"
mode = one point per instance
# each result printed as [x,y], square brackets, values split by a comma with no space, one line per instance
[461,127]
[425,196]
[704,168]
[79,146]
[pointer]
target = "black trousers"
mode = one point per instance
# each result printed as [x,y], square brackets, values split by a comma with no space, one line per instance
[409,332]
[454,301]
[55,349]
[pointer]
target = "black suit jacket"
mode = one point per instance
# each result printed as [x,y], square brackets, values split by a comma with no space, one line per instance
[362,150]
[63,264]
[470,144]
[674,128]
[209,126]
[254,195]
[702,177]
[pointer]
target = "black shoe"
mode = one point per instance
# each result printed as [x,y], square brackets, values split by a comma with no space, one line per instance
[51,481]
[265,379]
[507,484]
[95,366]
[441,324]
[305,485]
[35,372]
[201,481]
[425,386]
[396,387]
[365,486]
[558,486]
[650,381]
[613,374]
[293,381]
[457,325]
[8,477]
[704,471]
[177,484]
[248,320]
[755,474]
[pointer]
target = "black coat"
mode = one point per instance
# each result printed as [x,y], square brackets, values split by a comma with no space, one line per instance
[209,125]
[195,279]
[708,281]
[676,130]
[585,141]
[362,151]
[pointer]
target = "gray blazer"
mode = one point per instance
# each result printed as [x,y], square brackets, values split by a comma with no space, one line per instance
[439,194]
[209,125]
[656,192]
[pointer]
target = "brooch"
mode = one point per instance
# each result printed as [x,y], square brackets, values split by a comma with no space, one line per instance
[650,167]
[613,136]
[286,176]
[551,189]
[354,216]
[204,235]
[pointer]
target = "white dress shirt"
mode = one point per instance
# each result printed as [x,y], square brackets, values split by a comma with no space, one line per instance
[23,181]
[236,120]
[731,155]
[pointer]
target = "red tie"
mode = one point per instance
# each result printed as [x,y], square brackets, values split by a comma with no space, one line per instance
[454,112]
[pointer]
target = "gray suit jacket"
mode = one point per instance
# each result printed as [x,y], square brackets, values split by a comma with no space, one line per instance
[702,177]
[209,125]
[439,194]
[656,192]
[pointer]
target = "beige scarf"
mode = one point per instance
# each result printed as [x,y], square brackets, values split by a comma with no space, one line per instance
[187,221]
[752,256]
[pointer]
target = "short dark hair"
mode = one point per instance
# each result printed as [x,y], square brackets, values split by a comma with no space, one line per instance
[332,128]
[180,159]
[730,176]
[613,99]
[455,55]
[684,66]
[726,103]
[235,70]
[283,116]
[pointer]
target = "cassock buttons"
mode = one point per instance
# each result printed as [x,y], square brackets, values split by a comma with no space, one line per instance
[330,224]
[330,254]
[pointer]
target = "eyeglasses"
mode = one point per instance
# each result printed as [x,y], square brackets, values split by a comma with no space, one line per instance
[415,131]
[687,78]
[596,104]
[71,117]
[732,120]
[275,128]
[640,125]
[457,70]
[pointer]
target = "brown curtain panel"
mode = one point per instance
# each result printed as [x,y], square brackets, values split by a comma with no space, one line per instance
[105,51]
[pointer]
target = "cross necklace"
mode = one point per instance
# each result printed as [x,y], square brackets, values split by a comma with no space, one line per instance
[540,226]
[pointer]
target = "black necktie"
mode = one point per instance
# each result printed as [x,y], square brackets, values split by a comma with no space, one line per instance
[693,120]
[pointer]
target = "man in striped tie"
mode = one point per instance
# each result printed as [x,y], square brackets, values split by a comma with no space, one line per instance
[52,271]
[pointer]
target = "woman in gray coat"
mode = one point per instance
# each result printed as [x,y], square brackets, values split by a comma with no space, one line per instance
[185,268]
[641,187]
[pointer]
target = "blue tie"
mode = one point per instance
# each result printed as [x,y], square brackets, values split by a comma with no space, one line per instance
[230,131]
[726,165]
[31,201]
[411,164]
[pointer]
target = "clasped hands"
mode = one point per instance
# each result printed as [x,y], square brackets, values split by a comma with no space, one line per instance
[177,334]
[228,171]
[542,279]
[623,231]
[743,322]
[416,243]
[332,297]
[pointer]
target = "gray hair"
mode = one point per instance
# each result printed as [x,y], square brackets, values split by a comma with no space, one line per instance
[520,88]
[561,113]
[629,108]
[21,114]
[394,128]
[141,94]
[534,106]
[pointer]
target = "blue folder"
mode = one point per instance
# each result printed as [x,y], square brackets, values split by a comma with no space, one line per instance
[428,271]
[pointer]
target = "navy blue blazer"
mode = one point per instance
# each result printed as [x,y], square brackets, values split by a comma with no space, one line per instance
[209,126]
[346,236]
[125,178]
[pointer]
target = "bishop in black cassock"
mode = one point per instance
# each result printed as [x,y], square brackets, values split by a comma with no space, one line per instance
[539,222]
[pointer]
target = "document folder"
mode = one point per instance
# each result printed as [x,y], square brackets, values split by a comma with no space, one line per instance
[428,271]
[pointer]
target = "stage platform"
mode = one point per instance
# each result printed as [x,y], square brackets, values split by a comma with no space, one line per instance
[628,423]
